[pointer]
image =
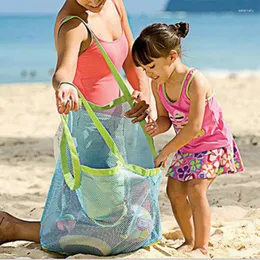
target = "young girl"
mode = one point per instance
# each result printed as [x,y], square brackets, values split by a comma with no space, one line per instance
[204,147]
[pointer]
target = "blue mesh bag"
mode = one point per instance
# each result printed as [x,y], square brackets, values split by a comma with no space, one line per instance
[103,198]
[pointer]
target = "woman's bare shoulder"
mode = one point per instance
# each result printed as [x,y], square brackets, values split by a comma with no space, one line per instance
[74,26]
[120,7]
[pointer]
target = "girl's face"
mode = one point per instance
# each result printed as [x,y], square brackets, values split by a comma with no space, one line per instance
[94,6]
[160,69]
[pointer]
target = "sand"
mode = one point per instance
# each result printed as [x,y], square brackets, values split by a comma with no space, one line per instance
[29,122]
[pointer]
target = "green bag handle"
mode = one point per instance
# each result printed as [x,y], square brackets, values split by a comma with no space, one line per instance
[74,183]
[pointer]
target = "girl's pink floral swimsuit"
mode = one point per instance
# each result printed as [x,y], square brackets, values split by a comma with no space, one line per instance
[213,151]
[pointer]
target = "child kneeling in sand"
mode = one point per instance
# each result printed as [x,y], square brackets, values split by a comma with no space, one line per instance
[204,147]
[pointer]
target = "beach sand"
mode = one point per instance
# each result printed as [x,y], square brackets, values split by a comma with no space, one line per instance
[29,122]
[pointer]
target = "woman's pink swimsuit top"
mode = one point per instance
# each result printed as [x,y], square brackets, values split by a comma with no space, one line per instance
[93,76]
[214,132]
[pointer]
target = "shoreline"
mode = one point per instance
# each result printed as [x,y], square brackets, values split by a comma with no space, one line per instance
[209,73]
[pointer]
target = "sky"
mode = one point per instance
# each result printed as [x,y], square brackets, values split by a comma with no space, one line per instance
[52,6]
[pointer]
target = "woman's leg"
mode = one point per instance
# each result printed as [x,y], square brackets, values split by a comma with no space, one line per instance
[177,193]
[197,190]
[12,229]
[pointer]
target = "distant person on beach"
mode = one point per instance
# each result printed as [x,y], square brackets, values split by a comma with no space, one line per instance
[80,61]
[203,147]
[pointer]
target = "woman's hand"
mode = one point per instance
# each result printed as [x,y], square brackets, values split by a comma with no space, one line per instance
[140,110]
[66,99]
[151,128]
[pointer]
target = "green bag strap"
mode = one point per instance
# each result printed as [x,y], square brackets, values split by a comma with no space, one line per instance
[117,76]
[74,183]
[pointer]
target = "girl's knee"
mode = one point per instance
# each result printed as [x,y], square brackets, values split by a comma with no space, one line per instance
[176,197]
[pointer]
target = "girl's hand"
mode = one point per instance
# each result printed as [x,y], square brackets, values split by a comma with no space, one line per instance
[66,99]
[151,127]
[161,160]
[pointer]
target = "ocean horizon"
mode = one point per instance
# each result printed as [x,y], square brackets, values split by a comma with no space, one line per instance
[219,44]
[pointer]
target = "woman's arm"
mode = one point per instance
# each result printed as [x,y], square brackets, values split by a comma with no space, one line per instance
[136,76]
[68,42]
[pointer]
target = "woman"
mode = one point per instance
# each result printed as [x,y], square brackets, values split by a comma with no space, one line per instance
[79,61]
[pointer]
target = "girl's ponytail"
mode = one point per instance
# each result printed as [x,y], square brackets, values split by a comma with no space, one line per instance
[180,29]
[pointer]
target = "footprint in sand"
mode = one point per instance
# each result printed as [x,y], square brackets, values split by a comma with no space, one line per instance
[173,235]
[216,237]
[197,254]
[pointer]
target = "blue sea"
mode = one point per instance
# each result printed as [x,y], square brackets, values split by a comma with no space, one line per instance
[219,43]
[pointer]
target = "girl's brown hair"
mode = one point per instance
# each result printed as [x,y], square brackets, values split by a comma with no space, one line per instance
[157,40]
